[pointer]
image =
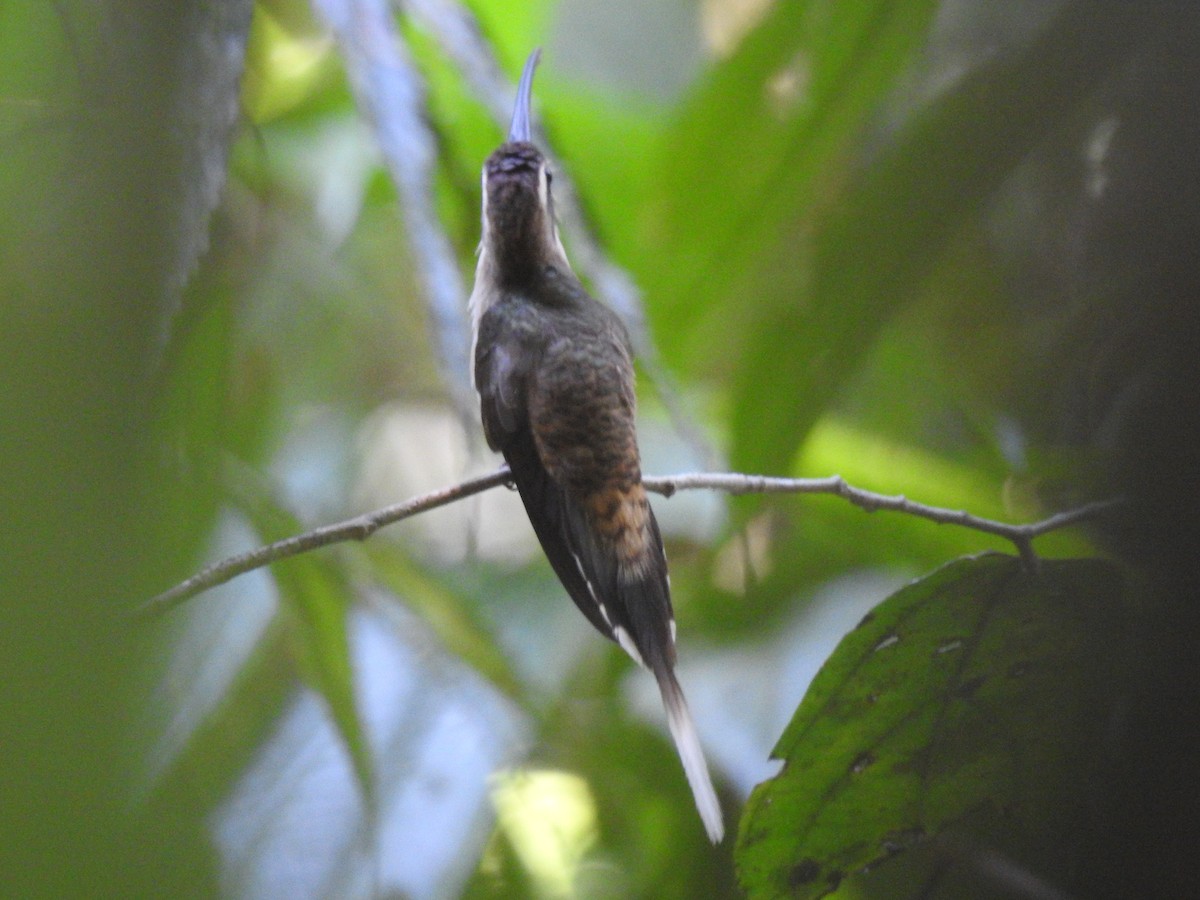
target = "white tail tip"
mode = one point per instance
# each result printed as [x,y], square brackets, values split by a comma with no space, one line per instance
[679,720]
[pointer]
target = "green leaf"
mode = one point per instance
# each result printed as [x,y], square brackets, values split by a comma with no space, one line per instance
[316,593]
[970,703]
[823,282]
[447,613]
[749,155]
[223,742]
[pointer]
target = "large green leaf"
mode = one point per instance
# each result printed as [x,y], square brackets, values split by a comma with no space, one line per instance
[810,279]
[970,704]
[822,282]
[317,594]
[748,155]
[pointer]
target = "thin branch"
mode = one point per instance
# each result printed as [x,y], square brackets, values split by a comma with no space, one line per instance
[362,527]
[357,529]
[1021,535]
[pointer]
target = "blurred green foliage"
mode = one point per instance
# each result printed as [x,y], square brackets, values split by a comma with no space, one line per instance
[935,247]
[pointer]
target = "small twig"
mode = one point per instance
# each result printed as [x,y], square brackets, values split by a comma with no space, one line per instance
[357,529]
[362,527]
[1021,535]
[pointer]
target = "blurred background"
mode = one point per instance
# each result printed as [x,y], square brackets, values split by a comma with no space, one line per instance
[945,249]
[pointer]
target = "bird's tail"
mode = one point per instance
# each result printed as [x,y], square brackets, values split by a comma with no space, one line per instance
[679,720]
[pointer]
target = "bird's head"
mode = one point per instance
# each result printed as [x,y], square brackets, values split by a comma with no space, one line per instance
[520,235]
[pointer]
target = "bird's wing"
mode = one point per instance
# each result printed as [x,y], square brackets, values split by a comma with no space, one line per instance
[581,411]
[504,360]
[501,366]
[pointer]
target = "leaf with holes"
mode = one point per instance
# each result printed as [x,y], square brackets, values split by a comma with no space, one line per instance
[970,706]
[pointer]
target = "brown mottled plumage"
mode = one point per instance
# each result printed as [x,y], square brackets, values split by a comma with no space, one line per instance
[555,379]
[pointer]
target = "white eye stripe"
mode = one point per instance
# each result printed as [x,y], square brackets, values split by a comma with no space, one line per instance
[547,202]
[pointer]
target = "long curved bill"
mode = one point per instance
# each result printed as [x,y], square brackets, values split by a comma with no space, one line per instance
[522,128]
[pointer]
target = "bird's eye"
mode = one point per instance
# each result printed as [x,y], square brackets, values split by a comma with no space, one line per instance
[549,178]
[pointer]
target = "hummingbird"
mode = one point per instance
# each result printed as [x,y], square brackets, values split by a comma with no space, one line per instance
[554,372]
